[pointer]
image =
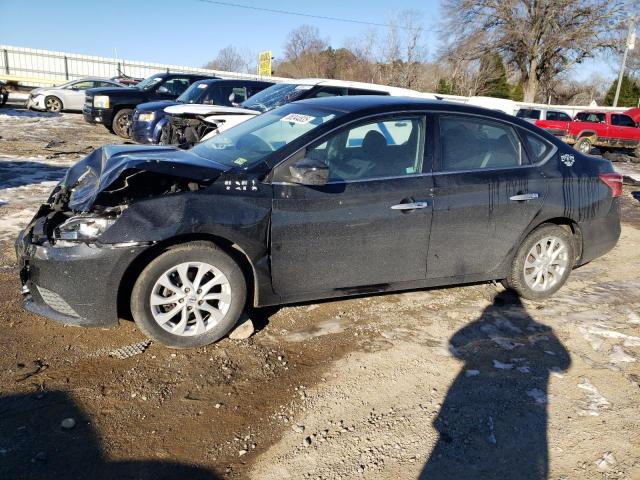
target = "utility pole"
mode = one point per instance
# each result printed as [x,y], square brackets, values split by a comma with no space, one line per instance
[631,40]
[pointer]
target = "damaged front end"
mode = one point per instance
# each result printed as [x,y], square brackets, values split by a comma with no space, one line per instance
[189,124]
[67,272]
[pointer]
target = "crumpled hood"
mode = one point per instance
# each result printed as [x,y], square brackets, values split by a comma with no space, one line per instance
[85,180]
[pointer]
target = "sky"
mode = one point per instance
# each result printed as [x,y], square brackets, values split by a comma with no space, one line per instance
[190,32]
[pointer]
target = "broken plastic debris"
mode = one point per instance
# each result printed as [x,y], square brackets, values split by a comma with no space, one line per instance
[130,350]
[502,366]
[538,395]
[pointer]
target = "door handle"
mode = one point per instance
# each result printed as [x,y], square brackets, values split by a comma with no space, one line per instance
[410,206]
[523,197]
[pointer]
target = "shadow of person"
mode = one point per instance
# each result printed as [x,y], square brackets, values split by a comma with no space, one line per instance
[493,421]
[34,445]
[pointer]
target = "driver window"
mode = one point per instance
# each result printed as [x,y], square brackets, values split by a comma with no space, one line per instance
[82,85]
[383,148]
[471,143]
[176,86]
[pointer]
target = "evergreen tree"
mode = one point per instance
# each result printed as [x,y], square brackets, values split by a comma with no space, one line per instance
[517,92]
[629,92]
[492,68]
[444,87]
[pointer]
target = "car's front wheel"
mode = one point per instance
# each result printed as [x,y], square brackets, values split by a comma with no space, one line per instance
[122,122]
[53,104]
[189,296]
[543,263]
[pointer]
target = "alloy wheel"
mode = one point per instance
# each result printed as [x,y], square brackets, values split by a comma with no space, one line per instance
[52,104]
[546,263]
[190,298]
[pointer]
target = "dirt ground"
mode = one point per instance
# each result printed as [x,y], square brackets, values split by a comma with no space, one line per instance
[420,384]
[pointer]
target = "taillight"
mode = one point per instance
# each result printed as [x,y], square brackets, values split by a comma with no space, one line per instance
[613,181]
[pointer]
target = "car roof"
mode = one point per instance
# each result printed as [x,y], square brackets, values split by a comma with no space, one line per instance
[396,91]
[384,103]
[92,79]
[209,81]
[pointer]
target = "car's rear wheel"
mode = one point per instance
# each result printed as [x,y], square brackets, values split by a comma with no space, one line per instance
[189,296]
[543,263]
[584,145]
[53,104]
[122,122]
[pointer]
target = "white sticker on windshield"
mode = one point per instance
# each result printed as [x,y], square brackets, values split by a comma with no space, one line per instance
[203,85]
[304,87]
[297,118]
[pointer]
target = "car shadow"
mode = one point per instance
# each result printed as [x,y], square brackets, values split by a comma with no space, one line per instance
[493,421]
[34,445]
[17,173]
[23,112]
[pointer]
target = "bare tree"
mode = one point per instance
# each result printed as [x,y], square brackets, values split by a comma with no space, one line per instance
[404,50]
[303,40]
[230,59]
[541,38]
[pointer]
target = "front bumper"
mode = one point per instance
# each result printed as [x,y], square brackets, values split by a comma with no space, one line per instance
[36,103]
[97,115]
[75,285]
[141,132]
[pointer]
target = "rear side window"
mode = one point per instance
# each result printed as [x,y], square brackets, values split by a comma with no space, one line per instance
[622,120]
[591,117]
[537,147]
[329,92]
[360,91]
[559,116]
[529,113]
[475,143]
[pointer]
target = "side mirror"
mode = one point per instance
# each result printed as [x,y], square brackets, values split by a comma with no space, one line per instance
[163,90]
[308,171]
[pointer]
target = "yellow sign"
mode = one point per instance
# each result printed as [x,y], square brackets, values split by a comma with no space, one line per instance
[264,63]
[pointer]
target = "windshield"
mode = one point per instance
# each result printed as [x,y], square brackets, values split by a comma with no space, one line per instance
[249,143]
[149,82]
[275,96]
[193,93]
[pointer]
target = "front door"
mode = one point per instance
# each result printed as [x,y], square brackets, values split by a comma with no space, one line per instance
[369,225]
[487,192]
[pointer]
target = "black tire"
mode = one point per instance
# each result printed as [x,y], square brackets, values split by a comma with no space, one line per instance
[189,252]
[121,122]
[516,279]
[584,145]
[53,104]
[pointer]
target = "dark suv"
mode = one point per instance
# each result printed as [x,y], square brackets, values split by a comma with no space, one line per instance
[315,199]
[113,107]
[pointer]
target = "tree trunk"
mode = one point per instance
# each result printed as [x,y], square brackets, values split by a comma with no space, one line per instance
[530,86]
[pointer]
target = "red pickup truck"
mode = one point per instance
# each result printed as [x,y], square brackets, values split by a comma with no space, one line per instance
[592,128]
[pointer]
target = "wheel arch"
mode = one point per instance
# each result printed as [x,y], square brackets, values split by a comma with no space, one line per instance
[566,223]
[136,267]
[54,96]
[588,134]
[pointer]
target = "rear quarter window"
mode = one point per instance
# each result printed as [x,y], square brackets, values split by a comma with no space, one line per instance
[537,148]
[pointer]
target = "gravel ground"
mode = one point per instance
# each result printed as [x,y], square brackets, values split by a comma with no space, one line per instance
[463,382]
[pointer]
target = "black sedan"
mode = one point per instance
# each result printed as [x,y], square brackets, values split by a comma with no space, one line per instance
[319,198]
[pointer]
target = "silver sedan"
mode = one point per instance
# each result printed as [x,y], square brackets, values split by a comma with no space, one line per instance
[68,96]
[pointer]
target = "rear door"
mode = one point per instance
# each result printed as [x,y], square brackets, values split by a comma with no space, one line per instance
[486,194]
[370,224]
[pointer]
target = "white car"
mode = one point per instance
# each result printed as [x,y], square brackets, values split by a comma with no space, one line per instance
[190,124]
[68,96]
